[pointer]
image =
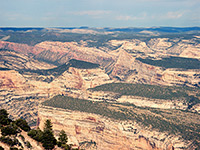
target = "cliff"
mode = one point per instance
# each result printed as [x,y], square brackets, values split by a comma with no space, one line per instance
[104,133]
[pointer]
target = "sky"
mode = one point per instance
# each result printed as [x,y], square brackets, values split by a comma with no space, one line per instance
[99,13]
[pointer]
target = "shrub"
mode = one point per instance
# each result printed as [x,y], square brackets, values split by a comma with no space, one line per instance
[11,129]
[62,138]
[36,134]
[28,144]
[9,141]
[22,124]
[4,120]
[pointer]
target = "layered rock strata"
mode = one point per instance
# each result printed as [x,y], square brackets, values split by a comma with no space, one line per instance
[105,133]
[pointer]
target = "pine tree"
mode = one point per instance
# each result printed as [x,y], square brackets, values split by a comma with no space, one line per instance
[49,140]
[4,120]
[22,124]
[48,125]
[62,138]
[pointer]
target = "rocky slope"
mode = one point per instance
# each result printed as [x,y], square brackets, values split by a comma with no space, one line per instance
[106,96]
[59,52]
[159,47]
[23,138]
[104,133]
[31,88]
[128,69]
[18,61]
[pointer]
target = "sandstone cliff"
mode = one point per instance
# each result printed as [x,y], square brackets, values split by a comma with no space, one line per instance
[104,133]
[32,88]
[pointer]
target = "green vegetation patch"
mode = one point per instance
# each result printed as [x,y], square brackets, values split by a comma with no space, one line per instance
[171,121]
[173,62]
[60,69]
[66,102]
[54,71]
[82,64]
[148,91]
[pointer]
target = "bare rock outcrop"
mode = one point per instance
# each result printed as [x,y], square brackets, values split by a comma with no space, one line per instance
[63,52]
[107,133]
[60,52]
[18,61]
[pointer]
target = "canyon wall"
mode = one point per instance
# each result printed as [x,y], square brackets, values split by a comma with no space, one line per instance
[104,133]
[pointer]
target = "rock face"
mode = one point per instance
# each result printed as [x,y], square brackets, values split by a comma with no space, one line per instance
[16,88]
[176,77]
[191,51]
[18,61]
[60,52]
[63,52]
[105,133]
[12,80]
[159,47]
[130,70]
[162,104]
[82,78]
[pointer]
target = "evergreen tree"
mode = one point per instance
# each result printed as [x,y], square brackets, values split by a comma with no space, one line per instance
[62,139]
[48,125]
[11,129]
[22,124]
[36,134]
[49,140]
[4,120]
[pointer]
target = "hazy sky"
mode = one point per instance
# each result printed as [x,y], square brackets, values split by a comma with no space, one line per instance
[99,13]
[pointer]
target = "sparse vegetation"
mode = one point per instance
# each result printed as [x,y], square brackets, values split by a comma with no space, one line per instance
[28,144]
[173,62]
[171,121]
[82,64]
[9,130]
[9,141]
[22,124]
[149,91]
[62,139]
[36,134]
[60,69]
[4,120]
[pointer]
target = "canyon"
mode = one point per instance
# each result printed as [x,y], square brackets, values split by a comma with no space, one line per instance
[32,72]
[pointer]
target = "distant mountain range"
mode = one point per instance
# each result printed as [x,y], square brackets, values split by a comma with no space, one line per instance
[109,29]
